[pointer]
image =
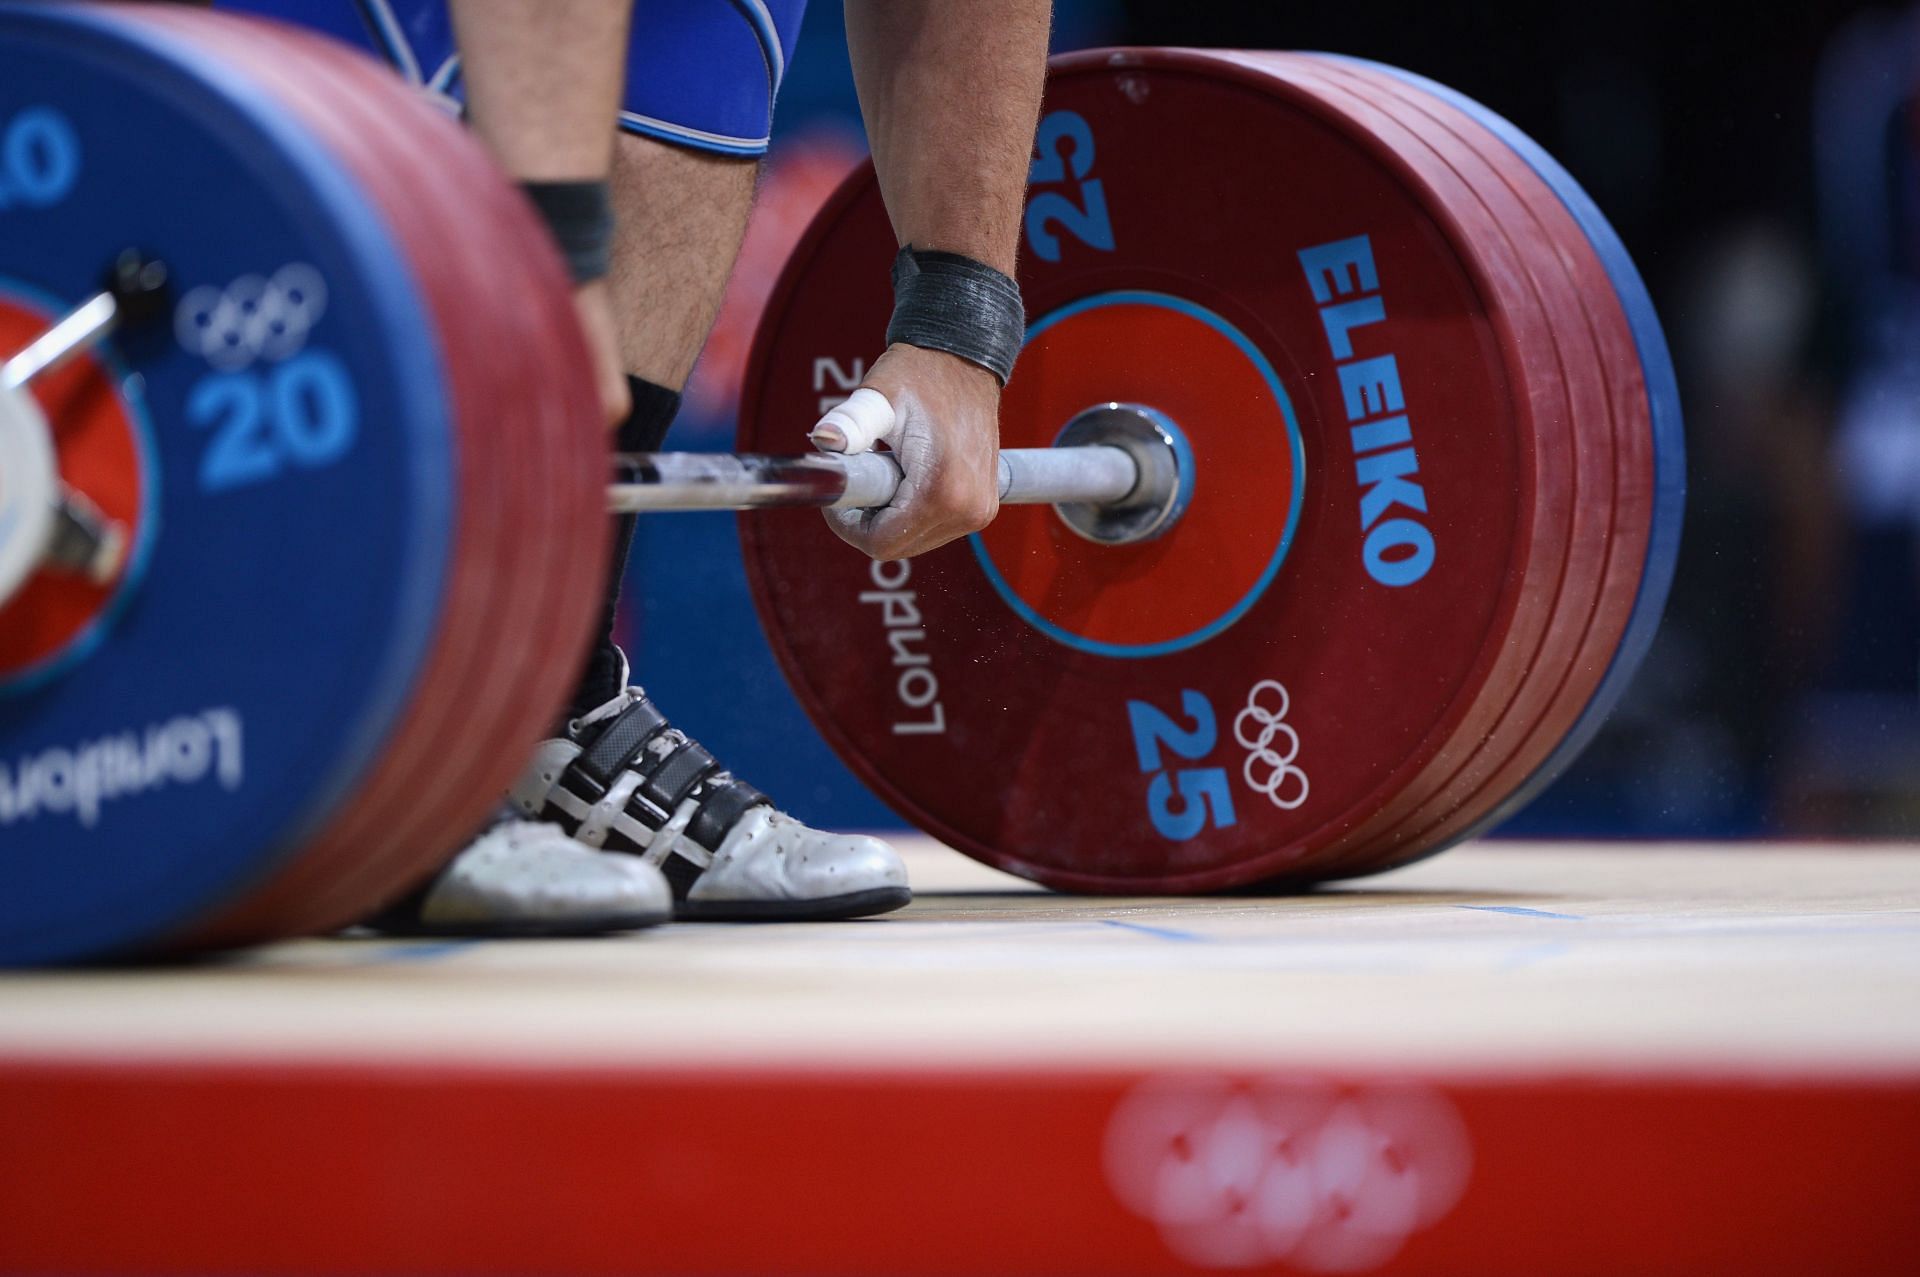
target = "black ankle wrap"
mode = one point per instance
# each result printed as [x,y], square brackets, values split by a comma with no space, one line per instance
[644,430]
[654,407]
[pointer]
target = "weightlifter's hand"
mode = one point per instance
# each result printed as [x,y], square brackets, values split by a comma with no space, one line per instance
[947,440]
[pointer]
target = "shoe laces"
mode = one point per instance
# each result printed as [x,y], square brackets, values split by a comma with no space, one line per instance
[625,697]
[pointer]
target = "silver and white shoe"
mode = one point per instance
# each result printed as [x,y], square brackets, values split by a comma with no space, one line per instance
[621,780]
[528,878]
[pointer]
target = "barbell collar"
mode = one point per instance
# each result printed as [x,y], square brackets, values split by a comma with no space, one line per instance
[83,541]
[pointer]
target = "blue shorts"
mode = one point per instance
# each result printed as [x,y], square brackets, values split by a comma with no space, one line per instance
[700,73]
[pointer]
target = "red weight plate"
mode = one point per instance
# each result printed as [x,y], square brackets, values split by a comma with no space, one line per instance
[310,890]
[1532,663]
[1540,219]
[422,815]
[1548,690]
[537,577]
[530,473]
[329,882]
[1584,637]
[533,573]
[537,436]
[1064,755]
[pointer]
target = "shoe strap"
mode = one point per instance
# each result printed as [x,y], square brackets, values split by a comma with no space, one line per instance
[621,741]
[721,809]
[668,780]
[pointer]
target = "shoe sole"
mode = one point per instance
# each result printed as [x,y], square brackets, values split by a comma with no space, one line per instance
[572,928]
[855,904]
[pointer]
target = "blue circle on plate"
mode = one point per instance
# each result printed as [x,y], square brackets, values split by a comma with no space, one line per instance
[248,683]
[1669,440]
[1184,452]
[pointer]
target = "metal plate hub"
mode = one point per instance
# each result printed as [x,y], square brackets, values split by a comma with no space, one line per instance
[1166,473]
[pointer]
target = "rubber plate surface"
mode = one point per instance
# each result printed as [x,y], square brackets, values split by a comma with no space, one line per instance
[377,536]
[273,639]
[1132,747]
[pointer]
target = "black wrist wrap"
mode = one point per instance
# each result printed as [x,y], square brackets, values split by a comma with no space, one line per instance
[580,215]
[945,301]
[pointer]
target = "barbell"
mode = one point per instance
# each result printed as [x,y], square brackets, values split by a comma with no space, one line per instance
[1342,481]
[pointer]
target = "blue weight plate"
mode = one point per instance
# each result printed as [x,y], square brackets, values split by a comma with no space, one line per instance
[1663,407]
[299,510]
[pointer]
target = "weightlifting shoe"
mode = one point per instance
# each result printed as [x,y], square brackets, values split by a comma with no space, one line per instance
[528,878]
[621,779]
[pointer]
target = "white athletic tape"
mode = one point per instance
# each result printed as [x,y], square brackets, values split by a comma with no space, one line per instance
[858,422]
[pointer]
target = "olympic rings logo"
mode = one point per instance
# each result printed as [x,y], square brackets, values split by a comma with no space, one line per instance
[1249,1173]
[253,318]
[1268,770]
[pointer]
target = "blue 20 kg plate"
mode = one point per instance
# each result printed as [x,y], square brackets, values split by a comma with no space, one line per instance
[297,517]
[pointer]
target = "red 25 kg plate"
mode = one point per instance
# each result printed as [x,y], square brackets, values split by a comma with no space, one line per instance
[1373,519]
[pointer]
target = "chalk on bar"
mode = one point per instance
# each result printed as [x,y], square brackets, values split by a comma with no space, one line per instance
[863,419]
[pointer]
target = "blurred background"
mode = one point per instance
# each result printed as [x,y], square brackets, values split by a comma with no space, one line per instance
[1761,164]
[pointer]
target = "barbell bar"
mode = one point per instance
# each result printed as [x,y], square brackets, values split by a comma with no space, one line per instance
[667,481]
[1118,474]
[1122,460]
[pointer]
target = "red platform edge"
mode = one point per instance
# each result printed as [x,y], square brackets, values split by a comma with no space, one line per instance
[282,1168]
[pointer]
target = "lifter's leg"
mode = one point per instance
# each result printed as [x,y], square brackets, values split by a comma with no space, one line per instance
[722,845]
[682,216]
[543,88]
